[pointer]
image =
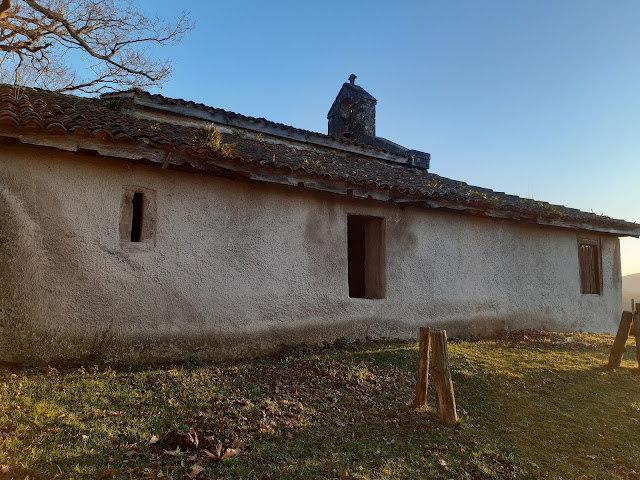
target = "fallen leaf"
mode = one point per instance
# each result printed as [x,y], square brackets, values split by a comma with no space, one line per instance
[210,455]
[154,440]
[218,450]
[186,441]
[240,444]
[192,458]
[85,437]
[109,460]
[592,457]
[107,474]
[230,452]
[130,453]
[195,471]
[169,453]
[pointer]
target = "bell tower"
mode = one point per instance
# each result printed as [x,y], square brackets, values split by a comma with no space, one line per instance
[353,113]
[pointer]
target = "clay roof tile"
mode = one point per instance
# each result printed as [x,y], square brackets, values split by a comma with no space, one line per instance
[55,113]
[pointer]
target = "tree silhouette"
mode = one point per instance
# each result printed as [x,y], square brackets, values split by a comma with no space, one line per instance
[40,40]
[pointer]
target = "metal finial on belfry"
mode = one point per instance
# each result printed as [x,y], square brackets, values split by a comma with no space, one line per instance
[352,79]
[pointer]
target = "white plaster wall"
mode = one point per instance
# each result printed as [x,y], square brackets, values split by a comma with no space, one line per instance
[242,268]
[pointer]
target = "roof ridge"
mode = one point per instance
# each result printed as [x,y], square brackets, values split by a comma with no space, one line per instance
[235,115]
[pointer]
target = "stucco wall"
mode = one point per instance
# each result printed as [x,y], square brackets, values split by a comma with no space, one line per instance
[242,268]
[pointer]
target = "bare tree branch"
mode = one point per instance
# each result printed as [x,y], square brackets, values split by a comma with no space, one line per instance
[4,6]
[37,35]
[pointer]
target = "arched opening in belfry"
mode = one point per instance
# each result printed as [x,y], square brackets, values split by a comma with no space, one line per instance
[346,109]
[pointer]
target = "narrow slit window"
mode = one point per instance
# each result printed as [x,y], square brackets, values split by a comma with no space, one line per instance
[590,271]
[136,218]
[366,256]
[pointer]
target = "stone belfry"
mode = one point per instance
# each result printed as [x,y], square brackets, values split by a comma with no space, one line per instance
[353,116]
[353,113]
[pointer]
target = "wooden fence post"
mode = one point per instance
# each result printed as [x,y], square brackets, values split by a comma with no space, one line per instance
[424,352]
[636,332]
[445,398]
[615,357]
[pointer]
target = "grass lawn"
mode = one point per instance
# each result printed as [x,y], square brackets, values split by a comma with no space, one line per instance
[531,405]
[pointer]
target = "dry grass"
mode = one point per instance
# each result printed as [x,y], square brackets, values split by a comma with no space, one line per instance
[531,405]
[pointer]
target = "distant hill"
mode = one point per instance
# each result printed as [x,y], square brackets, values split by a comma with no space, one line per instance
[630,289]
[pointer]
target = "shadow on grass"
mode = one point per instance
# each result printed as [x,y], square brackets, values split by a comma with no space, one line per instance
[568,419]
[525,411]
[559,415]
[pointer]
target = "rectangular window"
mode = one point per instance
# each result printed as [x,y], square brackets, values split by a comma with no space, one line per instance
[590,266]
[366,254]
[138,218]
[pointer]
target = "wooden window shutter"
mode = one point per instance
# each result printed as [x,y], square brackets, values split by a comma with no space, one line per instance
[589,257]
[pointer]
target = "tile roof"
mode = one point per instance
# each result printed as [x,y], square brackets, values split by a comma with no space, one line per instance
[251,122]
[34,110]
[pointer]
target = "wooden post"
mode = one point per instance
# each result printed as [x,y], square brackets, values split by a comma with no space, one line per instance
[420,399]
[445,399]
[636,332]
[615,357]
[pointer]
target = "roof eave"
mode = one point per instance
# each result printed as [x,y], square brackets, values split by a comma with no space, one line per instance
[629,231]
[165,158]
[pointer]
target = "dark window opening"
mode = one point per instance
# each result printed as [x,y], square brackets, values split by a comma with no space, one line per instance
[590,271]
[366,257]
[136,219]
[346,109]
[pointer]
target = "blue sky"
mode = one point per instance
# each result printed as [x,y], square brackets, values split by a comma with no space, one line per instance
[538,98]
